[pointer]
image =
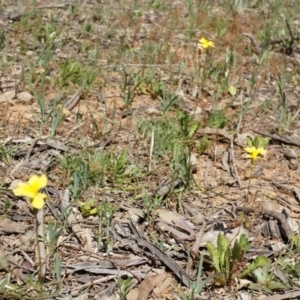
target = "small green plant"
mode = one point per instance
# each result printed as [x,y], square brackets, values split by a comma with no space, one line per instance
[258,262]
[39,93]
[291,264]
[5,154]
[124,287]
[217,119]
[188,125]
[70,73]
[258,142]
[7,206]
[54,231]
[121,162]
[149,84]
[166,134]
[169,99]
[266,280]
[181,166]
[151,204]
[196,286]
[130,86]
[97,167]
[73,72]
[106,213]
[203,144]
[157,4]
[158,242]
[226,258]
[76,186]
[295,242]
[57,117]
[5,282]
[2,40]
[285,118]
[89,207]
[80,180]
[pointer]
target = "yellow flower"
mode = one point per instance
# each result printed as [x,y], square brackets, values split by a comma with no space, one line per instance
[31,190]
[254,152]
[204,43]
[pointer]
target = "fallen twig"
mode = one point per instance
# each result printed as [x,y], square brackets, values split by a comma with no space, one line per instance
[278,216]
[163,257]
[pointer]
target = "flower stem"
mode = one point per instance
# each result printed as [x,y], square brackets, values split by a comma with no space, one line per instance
[40,246]
[249,183]
[38,249]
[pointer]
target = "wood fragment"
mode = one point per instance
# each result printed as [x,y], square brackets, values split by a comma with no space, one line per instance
[256,48]
[196,245]
[15,268]
[165,189]
[209,165]
[233,167]
[149,284]
[8,226]
[92,282]
[286,140]
[72,102]
[288,295]
[65,209]
[162,256]
[278,216]
[30,150]
[274,229]
[213,131]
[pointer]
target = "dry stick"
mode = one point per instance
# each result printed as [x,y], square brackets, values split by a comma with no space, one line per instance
[74,128]
[286,140]
[63,5]
[162,256]
[92,253]
[72,102]
[104,279]
[234,164]
[278,216]
[289,295]
[196,246]
[30,149]
[256,48]
[151,149]
[64,206]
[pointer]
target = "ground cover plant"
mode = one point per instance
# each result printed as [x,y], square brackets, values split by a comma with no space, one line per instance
[149,149]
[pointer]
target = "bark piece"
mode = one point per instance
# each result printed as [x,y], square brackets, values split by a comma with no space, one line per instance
[149,284]
[163,257]
[9,226]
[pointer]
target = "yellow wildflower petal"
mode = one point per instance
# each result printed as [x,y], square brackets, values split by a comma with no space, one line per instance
[250,149]
[24,190]
[262,151]
[204,43]
[38,201]
[255,152]
[37,182]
